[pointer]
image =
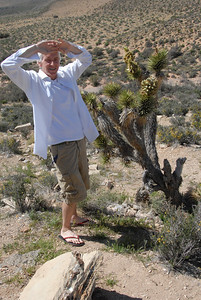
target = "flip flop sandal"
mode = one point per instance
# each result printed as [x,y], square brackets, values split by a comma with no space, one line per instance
[85,222]
[65,239]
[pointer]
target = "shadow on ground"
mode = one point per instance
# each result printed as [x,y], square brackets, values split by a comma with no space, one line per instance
[101,294]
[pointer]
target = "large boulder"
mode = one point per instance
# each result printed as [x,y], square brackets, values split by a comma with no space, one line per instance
[68,276]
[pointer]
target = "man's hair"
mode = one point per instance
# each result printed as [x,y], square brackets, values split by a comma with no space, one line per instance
[41,56]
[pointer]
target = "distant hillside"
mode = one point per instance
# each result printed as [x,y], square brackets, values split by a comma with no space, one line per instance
[105,27]
[13,7]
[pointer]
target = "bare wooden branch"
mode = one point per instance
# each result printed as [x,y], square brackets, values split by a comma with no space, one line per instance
[108,129]
[179,166]
[111,110]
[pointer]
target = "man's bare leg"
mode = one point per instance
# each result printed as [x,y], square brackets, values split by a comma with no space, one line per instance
[75,219]
[67,211]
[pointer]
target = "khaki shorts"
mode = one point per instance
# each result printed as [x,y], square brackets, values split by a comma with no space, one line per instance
[72,169]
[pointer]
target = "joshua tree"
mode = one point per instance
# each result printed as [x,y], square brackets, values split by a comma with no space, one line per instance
[128,119]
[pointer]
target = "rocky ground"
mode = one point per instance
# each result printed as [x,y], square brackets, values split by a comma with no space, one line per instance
[119,276]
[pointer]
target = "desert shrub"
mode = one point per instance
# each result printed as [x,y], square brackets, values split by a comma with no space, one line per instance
[146,53]
[48,179]
[177,121]
[174,134]
[3,126]
[168,107]
[180,238]
[87,73]
[4,35]
[113,53]
[148,44]
[10,145]
[196,120]
[14,187]
[98,201]
[20,189]
[97,51]
[12,93]
[174,52]
[193,73]
[17,114]
[94,80]
[158,203]
[48,162]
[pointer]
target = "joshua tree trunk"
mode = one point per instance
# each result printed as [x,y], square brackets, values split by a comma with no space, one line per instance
[139,145]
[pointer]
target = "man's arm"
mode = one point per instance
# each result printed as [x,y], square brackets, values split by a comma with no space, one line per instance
[66,47]
[43,47]
[46,47]
[12,64]
[83,58]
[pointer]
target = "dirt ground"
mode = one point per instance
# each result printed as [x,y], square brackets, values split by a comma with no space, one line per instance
[133,278]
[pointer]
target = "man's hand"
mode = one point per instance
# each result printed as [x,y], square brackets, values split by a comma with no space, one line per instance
[46,47]
[65,47]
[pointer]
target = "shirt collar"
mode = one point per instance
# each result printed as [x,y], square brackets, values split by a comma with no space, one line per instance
[44,76]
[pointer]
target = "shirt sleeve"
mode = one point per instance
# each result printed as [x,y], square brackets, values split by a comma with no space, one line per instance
[12,67]
[81,63]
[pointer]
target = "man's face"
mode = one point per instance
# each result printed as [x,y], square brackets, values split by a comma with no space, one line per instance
[50,64]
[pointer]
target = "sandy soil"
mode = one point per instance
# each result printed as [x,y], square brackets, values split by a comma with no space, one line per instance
[74,8]
[134,278]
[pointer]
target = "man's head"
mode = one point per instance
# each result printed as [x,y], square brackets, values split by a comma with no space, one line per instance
[49,64]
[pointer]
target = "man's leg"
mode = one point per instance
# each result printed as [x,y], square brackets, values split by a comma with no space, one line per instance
[76,219]
[72,174]
[66,232]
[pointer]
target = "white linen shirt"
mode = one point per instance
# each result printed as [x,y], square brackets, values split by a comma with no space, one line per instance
[66,124]
[38,88]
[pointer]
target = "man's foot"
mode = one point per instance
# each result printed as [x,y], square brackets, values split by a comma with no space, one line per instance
[79,221]
[71,238]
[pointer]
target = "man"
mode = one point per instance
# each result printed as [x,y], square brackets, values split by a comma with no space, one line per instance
[61,119]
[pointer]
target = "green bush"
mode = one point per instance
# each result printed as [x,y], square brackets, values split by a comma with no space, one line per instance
[97,51]
[10,145]
[180,238]
[196,120]
[94,80]
[48,179]
[181,135]
[12,93]
[20,188]
[17,114]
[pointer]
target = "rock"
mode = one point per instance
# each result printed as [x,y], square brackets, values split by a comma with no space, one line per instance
[22,159]
[9,202]
[93,169]
[116,209]
[68,276]
[25,229]
[27,126]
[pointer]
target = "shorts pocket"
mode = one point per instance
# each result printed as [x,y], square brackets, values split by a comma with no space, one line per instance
[69,190]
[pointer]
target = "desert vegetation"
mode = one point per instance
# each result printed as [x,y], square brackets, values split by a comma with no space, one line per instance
[143,28]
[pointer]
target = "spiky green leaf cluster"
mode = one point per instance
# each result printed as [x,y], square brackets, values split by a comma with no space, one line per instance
[146,104]
[126,99]
[101,142]
[133,68]
[90,100]
[158,61]
[112,90]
